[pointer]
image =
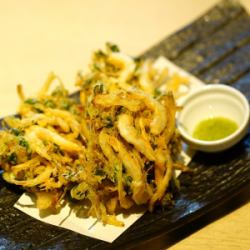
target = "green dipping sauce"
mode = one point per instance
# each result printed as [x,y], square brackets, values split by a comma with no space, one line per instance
[214,129]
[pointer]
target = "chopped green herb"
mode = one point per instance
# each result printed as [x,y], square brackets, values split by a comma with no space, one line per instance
[12,158]
[127,187]
[128,179]
[49,104]
[108,122]
[69,175]
[23,143]
[57,149]
[100,53]
[74,110]
[65,105]
[113,47]
[59,91]
[157,93]
[38,110]
[99,172]
[98,89]
[86,83]
[15,131]
[31,101]
[114,178]
[96,67]
[137,61]
[81,194]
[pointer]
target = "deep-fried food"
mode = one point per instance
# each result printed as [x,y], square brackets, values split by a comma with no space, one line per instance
[116,148]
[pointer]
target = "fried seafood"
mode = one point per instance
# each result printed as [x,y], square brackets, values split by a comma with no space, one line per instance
[117,147]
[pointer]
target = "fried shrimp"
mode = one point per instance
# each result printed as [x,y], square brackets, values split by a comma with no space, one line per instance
[48,135]
[110,100]
[145,81]
[42,177]
[115,147]
[124,65]
[159,116]
[129,133]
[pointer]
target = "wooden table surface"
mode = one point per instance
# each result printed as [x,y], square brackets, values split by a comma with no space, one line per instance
[232,231]
[59,35]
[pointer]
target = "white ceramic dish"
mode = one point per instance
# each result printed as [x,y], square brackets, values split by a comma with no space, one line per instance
[215,100]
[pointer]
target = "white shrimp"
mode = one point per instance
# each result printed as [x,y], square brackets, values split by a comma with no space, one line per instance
[26,165]
[48,135]
[162,186]
[133,168]
[125,63]
[36,144]
[66,116]
[106,148]
[110,100]
[130,134]
[144,80]
[159,120]
[104,142]
[44,120]
[9,177]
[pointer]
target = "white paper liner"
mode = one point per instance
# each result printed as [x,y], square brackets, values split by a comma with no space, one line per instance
[86,226]
[90,226]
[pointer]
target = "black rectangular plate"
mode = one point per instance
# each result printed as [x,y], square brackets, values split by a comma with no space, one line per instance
[215,48]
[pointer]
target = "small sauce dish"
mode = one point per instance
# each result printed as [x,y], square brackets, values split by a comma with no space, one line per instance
[218,102]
